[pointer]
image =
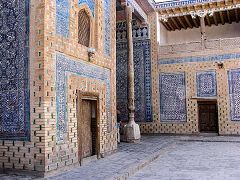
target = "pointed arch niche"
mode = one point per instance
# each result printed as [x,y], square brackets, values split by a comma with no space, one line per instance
[86,26]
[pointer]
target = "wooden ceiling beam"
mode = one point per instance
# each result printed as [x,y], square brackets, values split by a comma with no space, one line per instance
[208,20]
[195,22]
[214,15]
[181,22]
[175,23]
[186,19]
[221,17]
[166,26]
[172,20]
[236,15]
[215,18]
[229,18]
[170,25]
[195,19]
[188,22]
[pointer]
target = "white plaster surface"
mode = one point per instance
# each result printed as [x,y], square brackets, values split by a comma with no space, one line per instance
[190,35]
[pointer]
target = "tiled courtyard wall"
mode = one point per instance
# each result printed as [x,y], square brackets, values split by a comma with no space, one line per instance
[187,69]
[67,59]
[59,66]
[27,153]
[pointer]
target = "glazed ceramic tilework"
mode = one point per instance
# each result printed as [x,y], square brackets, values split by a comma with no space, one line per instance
[14,89]
[221,57]
[234,93]
[62,17]
[107,26]
[142,64]
[172,97]
[66,65]
[172,4]
[206,84]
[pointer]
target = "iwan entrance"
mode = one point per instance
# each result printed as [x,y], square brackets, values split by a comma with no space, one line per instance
[88,130]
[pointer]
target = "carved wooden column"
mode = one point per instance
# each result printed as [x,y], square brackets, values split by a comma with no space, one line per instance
[131,98]
[131,130]
[201,15]
[203,30]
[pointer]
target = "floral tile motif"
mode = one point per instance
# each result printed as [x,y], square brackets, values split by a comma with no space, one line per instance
[14,82]
[172,97]
[234,93]
[107,26]
[65,65]
[62,17]
[142,65]
[206,84]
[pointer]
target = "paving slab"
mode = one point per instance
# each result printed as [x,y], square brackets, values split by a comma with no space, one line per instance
[196,158]
[162,157]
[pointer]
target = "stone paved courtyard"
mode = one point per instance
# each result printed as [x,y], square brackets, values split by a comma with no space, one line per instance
[163,157]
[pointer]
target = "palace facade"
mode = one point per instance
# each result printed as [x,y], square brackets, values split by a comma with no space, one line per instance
[68,66]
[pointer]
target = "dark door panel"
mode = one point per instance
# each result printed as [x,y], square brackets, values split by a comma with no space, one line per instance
[208,117]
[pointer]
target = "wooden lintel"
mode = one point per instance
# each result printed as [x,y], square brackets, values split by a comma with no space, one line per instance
[181,22]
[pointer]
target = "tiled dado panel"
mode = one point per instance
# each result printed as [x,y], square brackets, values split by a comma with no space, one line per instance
[65,65]
[142,64]
[234,93]
[14,63]
[172,97]
[90,4]
[206,84]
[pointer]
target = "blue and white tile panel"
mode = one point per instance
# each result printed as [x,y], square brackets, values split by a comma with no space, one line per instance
[206,84]
[143,94]
[172,97]
[14,73]
[63,17]
[234,93]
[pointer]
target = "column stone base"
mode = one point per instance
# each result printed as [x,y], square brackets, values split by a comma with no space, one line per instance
[131,133]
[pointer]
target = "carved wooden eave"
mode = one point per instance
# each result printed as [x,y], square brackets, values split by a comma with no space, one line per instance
[141,8]
[187,15]
[147,5]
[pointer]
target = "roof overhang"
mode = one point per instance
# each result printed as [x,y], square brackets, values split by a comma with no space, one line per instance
[141,8]
[187,15]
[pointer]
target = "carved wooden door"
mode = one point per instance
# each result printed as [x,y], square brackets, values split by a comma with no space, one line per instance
[208,117]
[86,130]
